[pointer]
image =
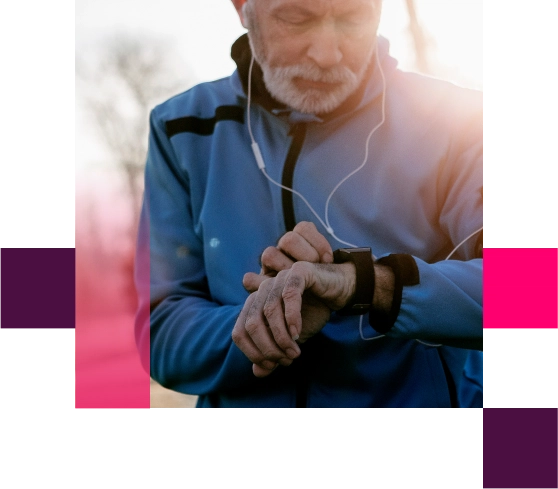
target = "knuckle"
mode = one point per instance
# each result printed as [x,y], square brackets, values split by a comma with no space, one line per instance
[268,254]
[269,309]
[251,327]
[305,227]
[287,240]
[236,336]
[271,306]
[282,274]
[290,293]
[300,268]
[271,354]
[266,283]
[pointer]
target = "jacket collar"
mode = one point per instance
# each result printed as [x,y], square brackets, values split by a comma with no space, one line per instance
[369,91]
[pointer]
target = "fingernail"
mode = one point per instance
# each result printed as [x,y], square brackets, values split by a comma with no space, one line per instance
[294,333]
[328,257]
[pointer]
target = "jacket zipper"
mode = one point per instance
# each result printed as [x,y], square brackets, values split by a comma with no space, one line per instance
[298,133]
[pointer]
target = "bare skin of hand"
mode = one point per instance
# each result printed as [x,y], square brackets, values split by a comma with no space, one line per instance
[303,243]
[302,258]
[294,305]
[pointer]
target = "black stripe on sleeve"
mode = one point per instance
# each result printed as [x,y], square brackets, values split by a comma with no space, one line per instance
[205,127]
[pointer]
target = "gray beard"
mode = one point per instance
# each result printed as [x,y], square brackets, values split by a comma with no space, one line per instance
[280,84]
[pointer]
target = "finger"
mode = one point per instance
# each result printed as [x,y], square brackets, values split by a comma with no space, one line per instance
[252,281]
[317,240]
[243,341]
[273,260]
[257,329]
[260,371]
[273,311]
[298,248]
[298,280]
[306,243]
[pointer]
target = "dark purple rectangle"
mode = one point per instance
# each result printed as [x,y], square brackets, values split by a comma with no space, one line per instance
[38,287]
[520,448]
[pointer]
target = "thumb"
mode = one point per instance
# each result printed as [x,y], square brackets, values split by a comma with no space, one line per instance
[251,281]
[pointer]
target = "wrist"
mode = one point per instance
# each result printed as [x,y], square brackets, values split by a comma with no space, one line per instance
[384,288]
[396,272]
[348,291]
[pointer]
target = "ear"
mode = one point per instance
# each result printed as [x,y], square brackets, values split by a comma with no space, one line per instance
[238,5]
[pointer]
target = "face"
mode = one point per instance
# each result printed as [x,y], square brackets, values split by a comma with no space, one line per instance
[313,53]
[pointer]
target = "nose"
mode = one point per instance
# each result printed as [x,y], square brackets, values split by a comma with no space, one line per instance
[324,46]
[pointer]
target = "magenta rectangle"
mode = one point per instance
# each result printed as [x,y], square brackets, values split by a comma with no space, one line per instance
[520,287]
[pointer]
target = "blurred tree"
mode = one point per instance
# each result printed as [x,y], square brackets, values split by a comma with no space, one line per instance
[129,78]
[120,82]
[420,40]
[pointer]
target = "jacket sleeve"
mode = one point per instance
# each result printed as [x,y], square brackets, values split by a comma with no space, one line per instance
[445,307]
[441,302]
[187,334]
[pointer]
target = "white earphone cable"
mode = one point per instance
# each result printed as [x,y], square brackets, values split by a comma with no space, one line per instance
[261,165]
[437,345]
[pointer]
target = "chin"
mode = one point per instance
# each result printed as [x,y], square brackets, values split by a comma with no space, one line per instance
[314,101]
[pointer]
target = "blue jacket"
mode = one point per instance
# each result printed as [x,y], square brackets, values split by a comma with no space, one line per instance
[209,212]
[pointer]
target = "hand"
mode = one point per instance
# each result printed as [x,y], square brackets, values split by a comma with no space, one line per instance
[303,285]
[303,243]
[254,339]
[294,305]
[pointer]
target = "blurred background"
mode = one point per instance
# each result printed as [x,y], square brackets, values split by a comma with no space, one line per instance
[132,55]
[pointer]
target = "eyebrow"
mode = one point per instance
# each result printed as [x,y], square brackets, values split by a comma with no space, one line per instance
[292,8]
[299,9]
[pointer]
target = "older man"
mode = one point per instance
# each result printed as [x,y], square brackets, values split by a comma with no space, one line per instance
[316,142]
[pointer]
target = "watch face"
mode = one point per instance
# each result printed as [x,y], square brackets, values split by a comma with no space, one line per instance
[354,250]
[357,250]
[349,251]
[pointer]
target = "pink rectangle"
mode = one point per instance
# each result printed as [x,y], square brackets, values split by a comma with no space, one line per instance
[109,371]
[520,287]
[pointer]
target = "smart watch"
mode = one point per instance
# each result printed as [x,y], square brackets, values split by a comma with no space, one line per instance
[361,302]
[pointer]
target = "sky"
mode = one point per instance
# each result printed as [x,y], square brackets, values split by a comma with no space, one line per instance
[200,34]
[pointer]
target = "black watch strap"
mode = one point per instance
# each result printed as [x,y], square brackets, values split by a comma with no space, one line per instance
[365,279]
[406,273]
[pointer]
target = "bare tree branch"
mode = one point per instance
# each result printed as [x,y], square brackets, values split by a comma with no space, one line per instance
[118,90]
[420,41]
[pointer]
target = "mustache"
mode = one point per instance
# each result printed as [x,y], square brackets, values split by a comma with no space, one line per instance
[311,72]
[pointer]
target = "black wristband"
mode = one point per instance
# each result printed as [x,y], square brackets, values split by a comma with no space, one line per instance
[365,279]
[406,273]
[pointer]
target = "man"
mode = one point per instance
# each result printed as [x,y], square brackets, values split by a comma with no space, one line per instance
[316,142]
